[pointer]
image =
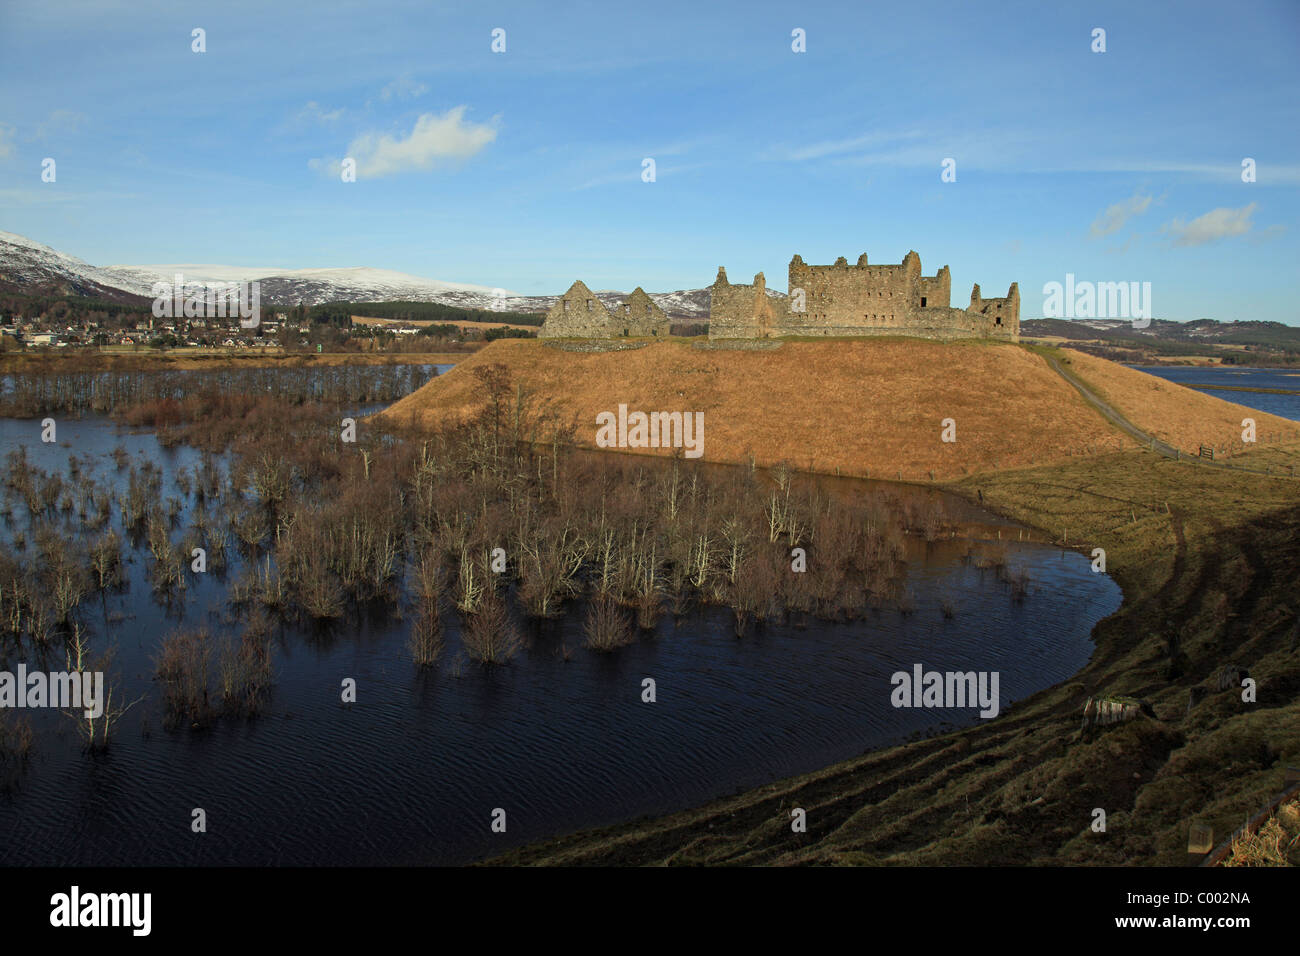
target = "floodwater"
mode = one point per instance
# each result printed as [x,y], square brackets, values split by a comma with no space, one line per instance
[559,738]
[1286,406]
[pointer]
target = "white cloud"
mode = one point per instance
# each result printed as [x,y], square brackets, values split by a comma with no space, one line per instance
[1115,216]
[434,138]
[1216,224]
[6,141]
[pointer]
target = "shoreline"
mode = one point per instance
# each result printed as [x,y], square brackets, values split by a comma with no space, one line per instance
[1020,789]
[14,362]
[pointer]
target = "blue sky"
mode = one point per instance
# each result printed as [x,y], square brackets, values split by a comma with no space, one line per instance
[523,169]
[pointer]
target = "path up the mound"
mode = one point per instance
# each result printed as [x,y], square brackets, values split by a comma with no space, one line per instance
[1175,414]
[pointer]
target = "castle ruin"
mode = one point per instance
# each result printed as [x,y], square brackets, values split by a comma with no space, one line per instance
[579,314]
[834,300]
[859,300]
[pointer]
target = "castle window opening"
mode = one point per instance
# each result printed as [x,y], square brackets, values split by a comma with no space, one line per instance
[588,305]
[627,308]
[566,305]
[923,302]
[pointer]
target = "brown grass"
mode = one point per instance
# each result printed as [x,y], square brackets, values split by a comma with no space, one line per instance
[1275,843]
[1181,416]
[857,406]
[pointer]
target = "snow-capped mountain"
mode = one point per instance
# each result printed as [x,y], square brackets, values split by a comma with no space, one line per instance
[31,268]
[312,286]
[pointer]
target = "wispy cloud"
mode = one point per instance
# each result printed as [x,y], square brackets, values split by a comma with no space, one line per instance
[1265,235]
[797,153]
[48,195]
[1116,215]
[1271,174]
[1221,223]
[1009,149]
[60,123]
[403,88]
[633,171]
[434,138]
[313,112]
[6,141]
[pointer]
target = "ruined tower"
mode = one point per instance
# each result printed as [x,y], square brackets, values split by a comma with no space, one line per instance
[743,311]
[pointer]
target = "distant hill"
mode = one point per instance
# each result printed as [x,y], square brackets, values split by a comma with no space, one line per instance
[1225,340]
[30,268]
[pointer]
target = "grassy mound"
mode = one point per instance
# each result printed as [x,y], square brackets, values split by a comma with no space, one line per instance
[1180,416]
[857,406]
[872,407]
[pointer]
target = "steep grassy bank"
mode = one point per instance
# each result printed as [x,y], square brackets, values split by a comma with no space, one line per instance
[1173,413]
[859,407]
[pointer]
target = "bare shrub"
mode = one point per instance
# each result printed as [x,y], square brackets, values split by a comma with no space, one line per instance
[606,628]
[106,560]
[489,635]
[245,672]
[182,665]
[426,640]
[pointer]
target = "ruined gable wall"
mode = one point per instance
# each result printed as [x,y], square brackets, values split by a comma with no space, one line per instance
[639,315]
[585,316]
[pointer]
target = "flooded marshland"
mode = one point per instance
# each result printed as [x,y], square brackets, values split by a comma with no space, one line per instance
[483,679]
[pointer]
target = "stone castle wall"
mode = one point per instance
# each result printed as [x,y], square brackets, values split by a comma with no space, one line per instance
[860,300]
[1002,316]
[841,296]
[936,290]
[743,311]
[638,315]
[579,314]
[834,300]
